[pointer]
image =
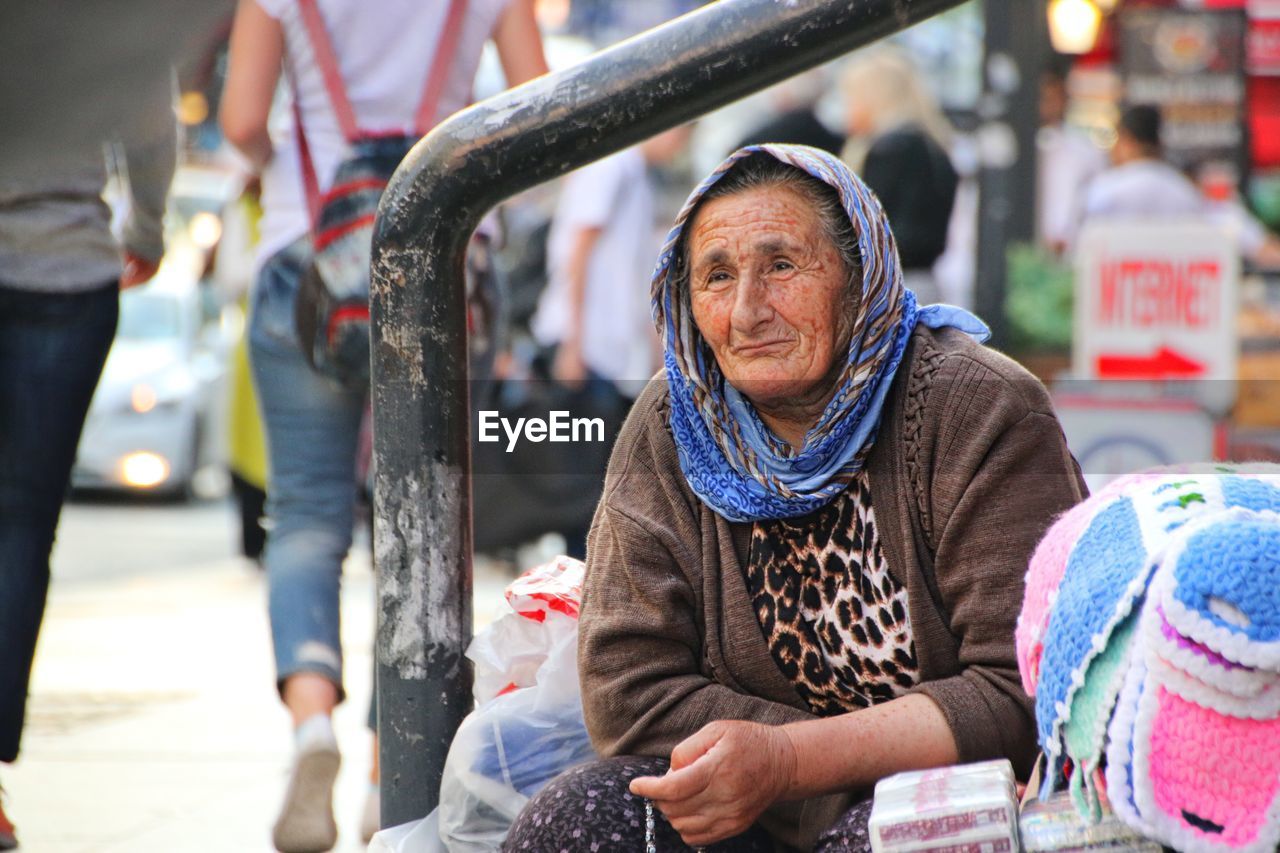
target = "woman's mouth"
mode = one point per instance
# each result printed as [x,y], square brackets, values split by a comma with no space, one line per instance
[756,349]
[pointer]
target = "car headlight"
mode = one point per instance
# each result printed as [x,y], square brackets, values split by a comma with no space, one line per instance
[143,470]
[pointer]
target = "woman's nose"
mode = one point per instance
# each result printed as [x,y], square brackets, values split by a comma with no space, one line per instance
[751,306]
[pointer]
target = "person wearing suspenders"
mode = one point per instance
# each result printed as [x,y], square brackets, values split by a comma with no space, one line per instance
[381,54]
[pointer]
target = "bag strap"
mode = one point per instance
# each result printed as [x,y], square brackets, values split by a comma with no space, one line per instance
[327,61]
[446,48]
[433,88]
[310,184]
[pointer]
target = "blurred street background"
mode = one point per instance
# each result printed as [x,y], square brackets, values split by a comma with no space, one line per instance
[153,723]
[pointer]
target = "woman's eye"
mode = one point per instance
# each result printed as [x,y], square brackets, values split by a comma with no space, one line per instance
[717,277]
[783,266]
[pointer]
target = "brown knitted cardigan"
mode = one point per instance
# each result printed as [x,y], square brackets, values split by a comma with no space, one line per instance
[968,471]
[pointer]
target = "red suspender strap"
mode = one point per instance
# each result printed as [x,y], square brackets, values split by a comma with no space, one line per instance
[441,64]
[310,185]
[327,61]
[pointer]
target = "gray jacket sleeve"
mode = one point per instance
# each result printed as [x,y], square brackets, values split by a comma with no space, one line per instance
[150,156]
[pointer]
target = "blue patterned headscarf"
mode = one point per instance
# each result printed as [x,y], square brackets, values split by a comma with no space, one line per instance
[731,460]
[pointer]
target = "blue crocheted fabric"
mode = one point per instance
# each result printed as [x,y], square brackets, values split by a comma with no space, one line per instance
[1105,576]
[1250,494]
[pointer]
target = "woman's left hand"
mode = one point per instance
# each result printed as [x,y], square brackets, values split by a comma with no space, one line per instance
[721,779]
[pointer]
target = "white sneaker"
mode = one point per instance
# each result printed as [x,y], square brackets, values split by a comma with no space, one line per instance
[306,822]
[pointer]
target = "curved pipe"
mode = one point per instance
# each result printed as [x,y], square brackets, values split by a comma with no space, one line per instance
[465,166]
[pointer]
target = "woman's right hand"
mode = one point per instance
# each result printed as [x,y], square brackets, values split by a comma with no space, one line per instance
[721,779]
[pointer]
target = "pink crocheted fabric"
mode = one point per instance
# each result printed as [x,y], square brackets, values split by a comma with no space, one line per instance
[1217,768]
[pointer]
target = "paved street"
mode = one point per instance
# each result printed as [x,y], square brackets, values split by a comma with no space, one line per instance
[153,721]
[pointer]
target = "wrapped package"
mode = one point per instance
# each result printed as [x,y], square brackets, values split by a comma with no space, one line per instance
[947,775]
[957,809]
[1056,825]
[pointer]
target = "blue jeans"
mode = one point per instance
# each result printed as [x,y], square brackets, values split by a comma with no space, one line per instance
[312,427]
[52,348]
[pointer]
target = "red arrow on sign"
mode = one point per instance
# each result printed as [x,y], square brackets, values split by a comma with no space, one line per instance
[1165,363]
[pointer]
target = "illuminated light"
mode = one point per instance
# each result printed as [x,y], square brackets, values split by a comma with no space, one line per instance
[1074,25]
[193,108]
[1107,6]
[143,399]
[143,470]
[205,229]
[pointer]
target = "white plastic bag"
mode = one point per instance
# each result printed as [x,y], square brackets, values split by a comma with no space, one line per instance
[416,836]
[527,726]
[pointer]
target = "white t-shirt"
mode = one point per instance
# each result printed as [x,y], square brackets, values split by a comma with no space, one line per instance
[618,341]
[1143,188]
[1156,190]
[384,49]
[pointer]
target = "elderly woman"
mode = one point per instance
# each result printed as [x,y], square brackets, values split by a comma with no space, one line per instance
[805,570]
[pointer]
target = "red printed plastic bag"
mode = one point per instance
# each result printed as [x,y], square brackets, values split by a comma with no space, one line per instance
[545,602]
[554,587]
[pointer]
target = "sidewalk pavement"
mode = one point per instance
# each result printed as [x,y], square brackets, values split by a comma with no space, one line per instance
[154,726]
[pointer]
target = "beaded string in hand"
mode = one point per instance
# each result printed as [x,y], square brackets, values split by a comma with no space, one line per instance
[650,835]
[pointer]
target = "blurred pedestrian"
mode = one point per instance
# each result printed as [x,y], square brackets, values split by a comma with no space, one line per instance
[597,322]
[593,317]
[1069,161]
[899,140]
[1140,182]
[247,455]
[379,61]
[59,286]
[796,121]
[61,272]
[246,438]
[1221,191]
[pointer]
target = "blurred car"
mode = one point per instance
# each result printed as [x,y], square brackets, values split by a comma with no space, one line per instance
[155,418]
[157,415]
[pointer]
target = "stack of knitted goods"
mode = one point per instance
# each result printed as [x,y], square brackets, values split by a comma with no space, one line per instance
[1150,637]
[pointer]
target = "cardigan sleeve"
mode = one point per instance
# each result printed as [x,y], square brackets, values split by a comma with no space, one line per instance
[640,648]
[1001,474]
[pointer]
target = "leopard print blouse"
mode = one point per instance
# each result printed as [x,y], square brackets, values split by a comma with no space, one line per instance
[835,620]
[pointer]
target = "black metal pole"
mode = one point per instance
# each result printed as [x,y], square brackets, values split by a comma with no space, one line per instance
[1017,42]
[541,130]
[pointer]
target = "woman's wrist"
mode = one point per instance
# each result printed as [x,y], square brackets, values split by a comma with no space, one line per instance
[789,764]
[855,750]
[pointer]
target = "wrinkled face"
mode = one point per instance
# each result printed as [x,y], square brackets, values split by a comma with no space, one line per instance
[770,295]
